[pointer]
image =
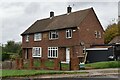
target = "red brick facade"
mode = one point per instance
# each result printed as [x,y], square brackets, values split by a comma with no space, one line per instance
[85,32]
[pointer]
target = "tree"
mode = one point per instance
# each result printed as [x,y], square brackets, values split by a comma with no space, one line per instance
[12,47]
[11,50]
[111,32]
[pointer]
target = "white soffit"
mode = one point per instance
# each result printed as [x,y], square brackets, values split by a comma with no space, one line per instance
[96,49]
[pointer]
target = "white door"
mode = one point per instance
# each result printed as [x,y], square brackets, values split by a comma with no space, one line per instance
[67,54]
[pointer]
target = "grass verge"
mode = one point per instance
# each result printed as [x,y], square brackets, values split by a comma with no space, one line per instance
[23,73]
[102,65]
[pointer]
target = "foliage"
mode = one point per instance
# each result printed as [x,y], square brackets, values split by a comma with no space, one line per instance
[18,73]
[49,64]
[111,32]
[5,56]
[101,65]
[12,49]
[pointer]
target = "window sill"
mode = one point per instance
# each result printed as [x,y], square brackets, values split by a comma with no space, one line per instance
[37,40]
[36,56]
[53,39]
[52,57]
[69,38]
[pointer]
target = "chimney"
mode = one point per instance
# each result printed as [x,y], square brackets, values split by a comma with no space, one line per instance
[69,9]
[51,14]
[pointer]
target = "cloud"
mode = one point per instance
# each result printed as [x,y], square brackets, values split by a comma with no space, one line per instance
[16,17]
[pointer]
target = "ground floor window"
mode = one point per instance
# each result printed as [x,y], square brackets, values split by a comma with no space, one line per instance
[52,52]
[36,52]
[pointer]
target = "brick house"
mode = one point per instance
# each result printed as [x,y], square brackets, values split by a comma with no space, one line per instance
[62,36]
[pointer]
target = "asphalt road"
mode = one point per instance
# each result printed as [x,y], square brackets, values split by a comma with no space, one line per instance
[95,74]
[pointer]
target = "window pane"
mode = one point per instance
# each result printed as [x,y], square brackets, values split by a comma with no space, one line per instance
[49,53]
[56,53]
[53,53]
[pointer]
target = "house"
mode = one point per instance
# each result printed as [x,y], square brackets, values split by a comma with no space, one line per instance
[115,40]
[64,36]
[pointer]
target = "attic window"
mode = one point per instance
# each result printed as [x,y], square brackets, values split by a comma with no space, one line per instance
[53,35]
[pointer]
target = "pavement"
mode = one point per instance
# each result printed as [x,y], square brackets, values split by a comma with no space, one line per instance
[94,74]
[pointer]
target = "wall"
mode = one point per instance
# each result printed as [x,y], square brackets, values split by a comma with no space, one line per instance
[88,27]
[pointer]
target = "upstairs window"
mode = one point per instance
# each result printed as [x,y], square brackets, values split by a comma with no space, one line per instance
[36,51]
[97,34]
[69,33]
[27,38]
[53,35]
[37,37]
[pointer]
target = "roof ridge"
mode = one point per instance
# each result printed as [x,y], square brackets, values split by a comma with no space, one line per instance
[58,22]
[65,14]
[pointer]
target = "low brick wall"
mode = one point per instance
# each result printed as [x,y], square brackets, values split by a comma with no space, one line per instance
[73,65]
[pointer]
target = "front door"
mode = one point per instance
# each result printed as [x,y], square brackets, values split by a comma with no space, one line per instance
[67,54]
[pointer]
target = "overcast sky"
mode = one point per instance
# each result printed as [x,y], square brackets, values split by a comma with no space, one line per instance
[16,17]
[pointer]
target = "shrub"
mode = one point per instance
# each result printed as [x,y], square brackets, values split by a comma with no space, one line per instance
[5,56]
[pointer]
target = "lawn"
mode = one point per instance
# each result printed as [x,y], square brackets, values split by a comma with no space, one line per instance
[22,73]
[102,65]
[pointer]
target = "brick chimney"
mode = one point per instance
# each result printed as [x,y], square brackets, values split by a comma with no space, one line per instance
[69,9]
[51,14]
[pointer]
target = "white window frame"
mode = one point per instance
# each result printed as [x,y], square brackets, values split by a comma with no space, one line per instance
[36,51]
[69,33]
[96,34]
[51,33]
[52,52]
[99,34]
[37,36]
[27,38]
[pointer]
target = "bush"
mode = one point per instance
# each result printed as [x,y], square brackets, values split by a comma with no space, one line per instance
[5,56]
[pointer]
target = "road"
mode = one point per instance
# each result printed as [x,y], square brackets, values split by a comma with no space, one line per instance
[95,74]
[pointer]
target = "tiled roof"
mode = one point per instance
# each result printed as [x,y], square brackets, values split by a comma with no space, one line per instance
[58,22]
[115,40]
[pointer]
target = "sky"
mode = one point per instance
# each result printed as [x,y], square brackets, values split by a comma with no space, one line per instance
[16,17]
